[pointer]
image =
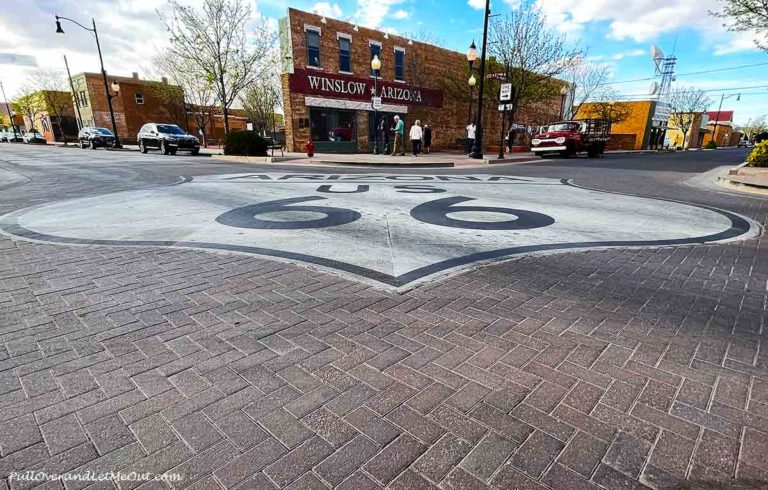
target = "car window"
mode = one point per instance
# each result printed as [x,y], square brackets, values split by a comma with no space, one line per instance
[169,129]
[104,131]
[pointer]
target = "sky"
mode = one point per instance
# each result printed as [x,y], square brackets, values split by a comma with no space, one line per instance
[617,33]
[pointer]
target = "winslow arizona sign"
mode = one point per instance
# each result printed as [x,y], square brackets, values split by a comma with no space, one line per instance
[396,230]
[347,87]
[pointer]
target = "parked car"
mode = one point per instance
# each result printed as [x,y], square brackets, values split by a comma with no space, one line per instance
[3,136]
[13,137]
[567,138]
[742,144]
[92,137]
[168,138]
[33,137]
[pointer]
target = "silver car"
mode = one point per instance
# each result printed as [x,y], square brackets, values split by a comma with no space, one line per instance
[33,137]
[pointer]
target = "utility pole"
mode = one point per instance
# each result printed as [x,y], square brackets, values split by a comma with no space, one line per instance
[74,96]
[477,148]
[8,107]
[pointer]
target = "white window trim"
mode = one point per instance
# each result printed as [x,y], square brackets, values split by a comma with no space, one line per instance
[372,42]
[136,98]
[348,37]
[398,48]
[345,72]
[317,68]
[308,27]
[342,35]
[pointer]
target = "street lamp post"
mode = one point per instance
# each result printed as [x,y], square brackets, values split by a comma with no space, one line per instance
[720,108]
[59,30]
[375,66]
[10,113]
[477,147]
[563,93]
[471,57]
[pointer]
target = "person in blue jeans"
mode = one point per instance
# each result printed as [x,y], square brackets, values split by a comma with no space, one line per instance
[399,144]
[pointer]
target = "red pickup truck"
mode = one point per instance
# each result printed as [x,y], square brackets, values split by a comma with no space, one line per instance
[568,138]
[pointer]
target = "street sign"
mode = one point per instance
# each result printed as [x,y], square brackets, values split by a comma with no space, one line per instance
[506,107]
[497,76]
[505,94]
[376,102]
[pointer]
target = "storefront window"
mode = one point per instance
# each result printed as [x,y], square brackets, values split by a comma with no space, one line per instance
[332,125]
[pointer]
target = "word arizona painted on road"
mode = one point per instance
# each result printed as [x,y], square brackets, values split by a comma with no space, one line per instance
[377,178]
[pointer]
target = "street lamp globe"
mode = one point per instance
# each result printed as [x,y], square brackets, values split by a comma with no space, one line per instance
[115,86]
[376,63]
[472,52]
[472,80]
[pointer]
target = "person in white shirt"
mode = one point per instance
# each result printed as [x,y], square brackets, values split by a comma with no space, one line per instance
[470,137]
[416,135]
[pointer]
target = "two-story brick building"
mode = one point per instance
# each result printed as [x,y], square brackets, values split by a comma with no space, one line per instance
[328,84]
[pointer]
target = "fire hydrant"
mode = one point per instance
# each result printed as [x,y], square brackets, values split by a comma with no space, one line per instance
[310,147]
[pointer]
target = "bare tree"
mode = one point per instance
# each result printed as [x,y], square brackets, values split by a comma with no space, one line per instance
[605,106]
[687,104]
[747,16]
[55,96]
[413,63]
[754,127]
[532,55]
[260,101]
[222,43]
[585,79]
[196,93]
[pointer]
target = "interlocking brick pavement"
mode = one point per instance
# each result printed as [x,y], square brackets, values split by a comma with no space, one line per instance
[603,369]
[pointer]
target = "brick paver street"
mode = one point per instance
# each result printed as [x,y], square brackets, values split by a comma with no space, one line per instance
[617,368]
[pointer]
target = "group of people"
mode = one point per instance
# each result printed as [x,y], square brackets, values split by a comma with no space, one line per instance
[420,136]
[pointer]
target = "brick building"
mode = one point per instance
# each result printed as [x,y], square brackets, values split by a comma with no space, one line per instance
[139,102]
[55,118]
[696,134]
[725,134]
[328,83]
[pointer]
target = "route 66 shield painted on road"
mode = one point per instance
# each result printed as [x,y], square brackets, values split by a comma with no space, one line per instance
[394,229]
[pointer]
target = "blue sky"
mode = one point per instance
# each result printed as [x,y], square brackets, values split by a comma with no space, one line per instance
[618,33]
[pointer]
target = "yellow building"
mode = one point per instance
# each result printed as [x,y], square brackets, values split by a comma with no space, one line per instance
[696,133]
[632,125]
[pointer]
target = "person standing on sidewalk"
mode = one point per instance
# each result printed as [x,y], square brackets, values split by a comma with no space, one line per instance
[470,137]
[399,143]
[427,140]
[416,135]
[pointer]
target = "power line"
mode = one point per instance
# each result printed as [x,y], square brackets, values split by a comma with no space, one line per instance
[735,90]
[689,74]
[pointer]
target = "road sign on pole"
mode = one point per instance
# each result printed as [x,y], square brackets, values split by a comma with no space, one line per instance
[506,107]
[505,94]
[376,102]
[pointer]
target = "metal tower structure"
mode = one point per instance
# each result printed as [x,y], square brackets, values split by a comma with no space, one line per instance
[664,69]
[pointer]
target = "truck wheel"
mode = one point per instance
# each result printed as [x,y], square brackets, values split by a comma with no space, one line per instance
[593,151]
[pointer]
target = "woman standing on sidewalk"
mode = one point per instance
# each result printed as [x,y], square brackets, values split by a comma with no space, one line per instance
[416,135]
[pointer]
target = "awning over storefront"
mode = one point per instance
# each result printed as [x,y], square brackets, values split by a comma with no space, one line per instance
[356,105]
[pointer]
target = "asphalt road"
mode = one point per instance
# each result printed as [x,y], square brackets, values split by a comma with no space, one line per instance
[620,367]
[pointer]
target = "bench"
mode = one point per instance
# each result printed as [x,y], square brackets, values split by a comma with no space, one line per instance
[275,145]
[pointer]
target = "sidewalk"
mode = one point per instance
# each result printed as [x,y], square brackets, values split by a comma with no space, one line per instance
[749,179]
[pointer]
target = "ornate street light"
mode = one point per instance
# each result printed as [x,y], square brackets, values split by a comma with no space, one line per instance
[563,93]
[471,57]
[477,147]
[59,30]
[375,66]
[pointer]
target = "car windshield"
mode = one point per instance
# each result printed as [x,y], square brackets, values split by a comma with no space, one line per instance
[104,131]
[169,129]
[563,127]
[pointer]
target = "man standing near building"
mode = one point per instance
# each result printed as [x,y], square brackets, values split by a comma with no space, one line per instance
[399,144]
[470,137]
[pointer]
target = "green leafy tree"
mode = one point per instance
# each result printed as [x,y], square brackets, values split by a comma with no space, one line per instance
[747,16]
[29,105]
[221,42]
[54,94]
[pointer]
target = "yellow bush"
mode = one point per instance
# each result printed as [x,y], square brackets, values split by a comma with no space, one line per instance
[759,155]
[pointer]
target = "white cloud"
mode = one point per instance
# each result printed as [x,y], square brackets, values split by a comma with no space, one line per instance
[645,20]
[371,13]
[401,14]
[628,54]
[328,10]
[476,4]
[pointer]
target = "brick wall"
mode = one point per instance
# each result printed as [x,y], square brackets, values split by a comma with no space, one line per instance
[426,66]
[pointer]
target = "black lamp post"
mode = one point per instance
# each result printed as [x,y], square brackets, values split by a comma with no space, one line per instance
[59,30]
[471,57]
[563,93]
[375,66]
[477,147]
[10,112]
